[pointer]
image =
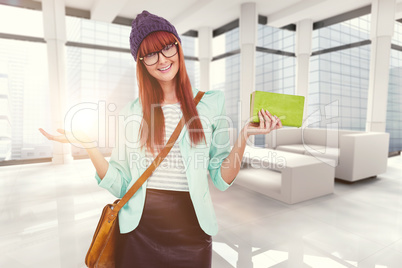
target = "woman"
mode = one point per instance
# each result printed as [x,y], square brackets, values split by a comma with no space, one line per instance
[170,220]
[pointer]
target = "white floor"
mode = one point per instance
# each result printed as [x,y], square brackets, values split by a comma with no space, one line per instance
[48,214]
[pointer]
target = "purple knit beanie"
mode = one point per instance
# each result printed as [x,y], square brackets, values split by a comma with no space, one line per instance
[144,24]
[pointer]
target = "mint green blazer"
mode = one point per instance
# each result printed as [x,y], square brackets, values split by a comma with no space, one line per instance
[125,165]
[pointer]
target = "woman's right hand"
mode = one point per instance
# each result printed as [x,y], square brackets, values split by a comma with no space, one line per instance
[68,137]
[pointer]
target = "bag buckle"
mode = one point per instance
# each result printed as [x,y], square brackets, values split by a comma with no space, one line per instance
[112,217]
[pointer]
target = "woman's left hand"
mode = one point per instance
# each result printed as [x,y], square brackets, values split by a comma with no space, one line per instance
[268,122]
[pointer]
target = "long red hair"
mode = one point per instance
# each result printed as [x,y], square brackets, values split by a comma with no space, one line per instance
[150,92]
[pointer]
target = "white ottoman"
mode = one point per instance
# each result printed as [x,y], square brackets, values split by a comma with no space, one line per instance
[284,176]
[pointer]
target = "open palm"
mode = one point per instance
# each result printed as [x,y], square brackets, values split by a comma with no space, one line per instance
[67,137]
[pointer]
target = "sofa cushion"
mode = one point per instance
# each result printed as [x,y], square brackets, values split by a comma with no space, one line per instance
[323,153]
[292,148]
[326,154]
[301,148]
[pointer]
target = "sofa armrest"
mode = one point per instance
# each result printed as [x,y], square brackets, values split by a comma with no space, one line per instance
[362,155]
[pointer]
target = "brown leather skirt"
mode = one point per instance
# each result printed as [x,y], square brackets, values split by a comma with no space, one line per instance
[168,235]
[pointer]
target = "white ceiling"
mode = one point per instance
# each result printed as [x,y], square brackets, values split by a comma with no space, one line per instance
[193,14]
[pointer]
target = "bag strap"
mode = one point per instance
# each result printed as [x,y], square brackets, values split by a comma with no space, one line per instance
[159,158]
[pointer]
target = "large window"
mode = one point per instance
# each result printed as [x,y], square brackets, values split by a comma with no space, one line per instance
[275,72]
[102,77]
[190,49]
[21,21]
[339,77]
[24,90]
[344,33]
[394,107]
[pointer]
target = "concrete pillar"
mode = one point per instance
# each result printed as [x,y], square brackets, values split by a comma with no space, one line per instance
[205,56]
[55,36]
[248,43]
[304,35]
[382,29]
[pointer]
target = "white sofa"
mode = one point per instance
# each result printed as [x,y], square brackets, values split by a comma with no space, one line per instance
[355,155]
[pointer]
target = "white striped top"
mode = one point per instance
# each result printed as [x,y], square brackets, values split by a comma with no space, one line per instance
[171,173]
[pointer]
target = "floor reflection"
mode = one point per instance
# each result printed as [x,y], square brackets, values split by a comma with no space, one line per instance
[48,215]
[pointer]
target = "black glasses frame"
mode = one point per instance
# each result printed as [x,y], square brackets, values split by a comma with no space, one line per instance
[157,53]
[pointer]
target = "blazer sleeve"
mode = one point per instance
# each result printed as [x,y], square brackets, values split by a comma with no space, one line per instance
[220,145]
[118,175]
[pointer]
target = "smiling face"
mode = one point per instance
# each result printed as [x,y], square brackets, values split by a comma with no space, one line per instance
[165,69]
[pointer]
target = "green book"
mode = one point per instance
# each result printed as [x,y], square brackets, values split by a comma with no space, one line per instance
[289,108]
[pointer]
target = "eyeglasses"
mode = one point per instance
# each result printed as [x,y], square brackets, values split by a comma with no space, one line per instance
[153,57]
